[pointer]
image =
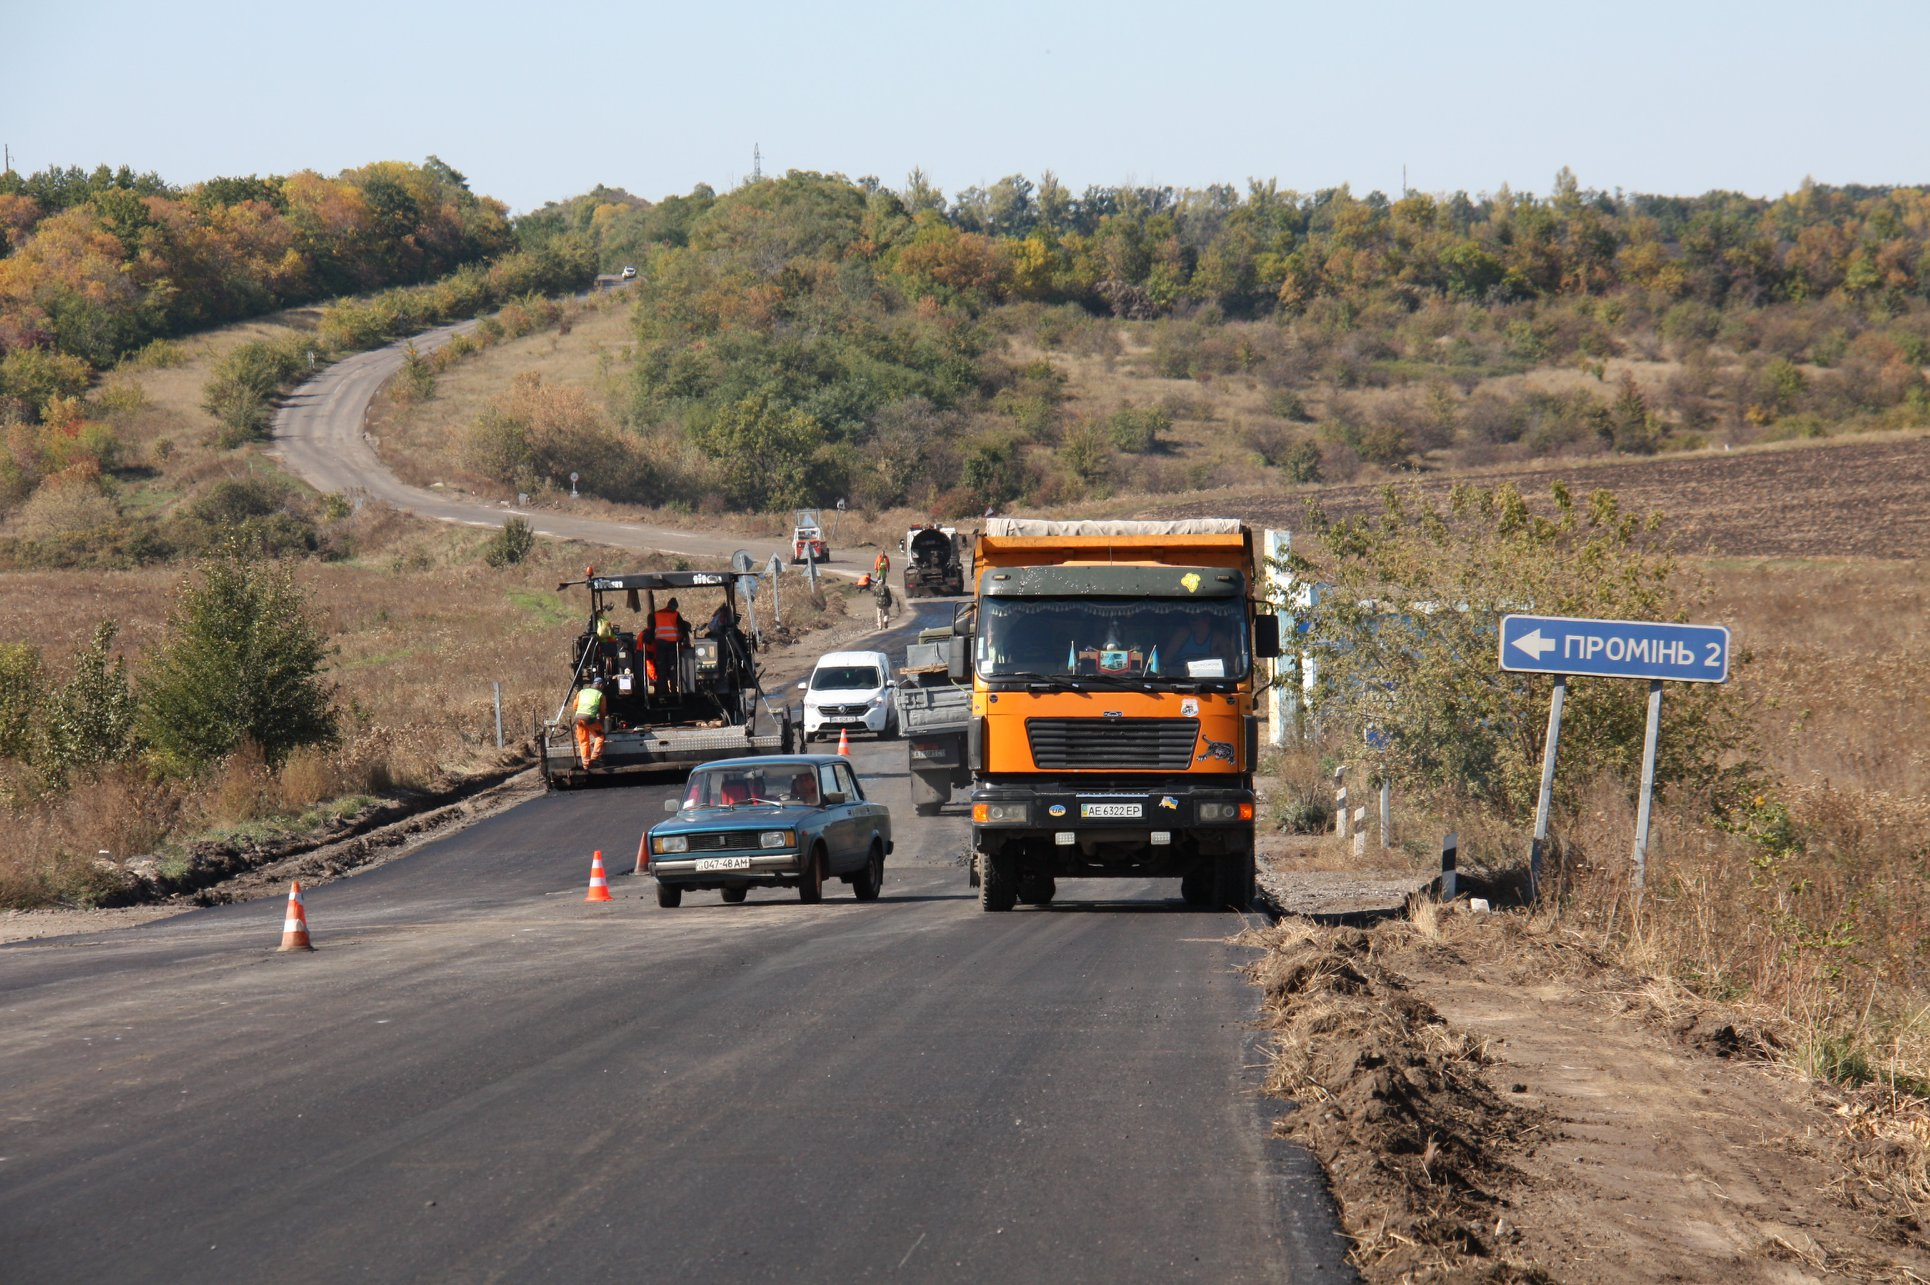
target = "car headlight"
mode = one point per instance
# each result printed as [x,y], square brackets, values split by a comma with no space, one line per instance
[670,843]
[1001,813]
[775,839]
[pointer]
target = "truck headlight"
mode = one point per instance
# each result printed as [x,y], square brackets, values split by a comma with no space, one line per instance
[670,843]
[1226,811]
[1001,813]
[776,839]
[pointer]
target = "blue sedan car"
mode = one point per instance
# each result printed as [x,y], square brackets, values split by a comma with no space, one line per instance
[783,821]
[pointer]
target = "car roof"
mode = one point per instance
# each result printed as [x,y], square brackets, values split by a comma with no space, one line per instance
[774,760]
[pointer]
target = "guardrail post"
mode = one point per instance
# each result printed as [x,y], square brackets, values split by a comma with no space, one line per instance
[1450,853]
[1340,800]
[1386,813]
[499,714]
[1360,831]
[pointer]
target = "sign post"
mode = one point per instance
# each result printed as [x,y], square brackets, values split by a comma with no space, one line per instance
[771,569]
[573,477]
[1649,649]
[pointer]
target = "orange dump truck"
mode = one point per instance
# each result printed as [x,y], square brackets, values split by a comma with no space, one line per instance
[1113,729]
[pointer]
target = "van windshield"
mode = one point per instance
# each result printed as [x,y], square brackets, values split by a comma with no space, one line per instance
[840,678]
[1146,639]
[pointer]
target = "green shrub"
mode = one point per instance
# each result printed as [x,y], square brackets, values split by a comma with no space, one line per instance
[1138,428]
[510,545]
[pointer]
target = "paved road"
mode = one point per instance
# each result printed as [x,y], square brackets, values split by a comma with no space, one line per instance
[318,436]
[477,1076]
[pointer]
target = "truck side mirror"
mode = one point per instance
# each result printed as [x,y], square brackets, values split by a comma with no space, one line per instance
[1266,636]
[957,660]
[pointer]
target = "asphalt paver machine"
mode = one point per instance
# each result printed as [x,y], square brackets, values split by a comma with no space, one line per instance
[668,701]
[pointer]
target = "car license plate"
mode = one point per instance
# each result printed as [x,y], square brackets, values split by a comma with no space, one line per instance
[707,864]
[1109,809]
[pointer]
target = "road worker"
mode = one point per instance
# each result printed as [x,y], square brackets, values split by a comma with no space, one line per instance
[589,724]
[881,569]
[881,596]
[669,632]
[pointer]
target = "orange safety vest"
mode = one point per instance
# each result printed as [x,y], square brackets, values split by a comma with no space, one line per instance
[668,626]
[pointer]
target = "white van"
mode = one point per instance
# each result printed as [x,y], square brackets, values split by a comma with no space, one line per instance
[849,691]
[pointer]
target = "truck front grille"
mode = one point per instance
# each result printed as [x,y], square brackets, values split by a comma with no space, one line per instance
[1119,744]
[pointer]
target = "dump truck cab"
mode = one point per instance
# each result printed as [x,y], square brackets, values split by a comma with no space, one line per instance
[1113,729]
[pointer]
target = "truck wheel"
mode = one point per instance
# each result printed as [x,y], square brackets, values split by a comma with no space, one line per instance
[735,896]
[669,896]
[810,888]
[996,881]
[1198,886]
[1235,880]
[1037,890]
[929,793]
[871,879]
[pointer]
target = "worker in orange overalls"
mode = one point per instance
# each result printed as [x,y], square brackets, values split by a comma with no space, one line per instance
[881,569]
[589,724]
[668,633]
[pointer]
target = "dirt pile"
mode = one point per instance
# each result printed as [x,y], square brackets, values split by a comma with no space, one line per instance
[1494,1101]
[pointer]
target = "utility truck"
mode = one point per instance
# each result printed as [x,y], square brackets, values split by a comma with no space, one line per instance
[934,713]
[1112,729]
[936,558]
[671,698]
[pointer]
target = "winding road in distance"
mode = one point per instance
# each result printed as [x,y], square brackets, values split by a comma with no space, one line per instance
[318,436]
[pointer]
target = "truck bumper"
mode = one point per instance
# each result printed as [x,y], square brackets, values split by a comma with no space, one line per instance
[1112,832]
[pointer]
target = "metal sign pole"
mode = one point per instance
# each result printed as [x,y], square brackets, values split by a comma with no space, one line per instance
[1648,786]
[1547,786]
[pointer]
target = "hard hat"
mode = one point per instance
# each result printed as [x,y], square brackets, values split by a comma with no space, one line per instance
[597,681]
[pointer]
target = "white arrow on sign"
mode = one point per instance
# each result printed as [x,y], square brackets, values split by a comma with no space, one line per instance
[1534,644]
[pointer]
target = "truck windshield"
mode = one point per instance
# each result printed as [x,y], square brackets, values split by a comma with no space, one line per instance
[1145,639]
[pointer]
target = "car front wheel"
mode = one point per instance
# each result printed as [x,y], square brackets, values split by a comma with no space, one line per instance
[735,896]
[810,886]
[669,896]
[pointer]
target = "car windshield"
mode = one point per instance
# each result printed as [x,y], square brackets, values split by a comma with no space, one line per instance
[1142,639]
[838,678]
[746,786]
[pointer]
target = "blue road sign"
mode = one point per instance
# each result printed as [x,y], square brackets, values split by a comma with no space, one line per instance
[1615,648]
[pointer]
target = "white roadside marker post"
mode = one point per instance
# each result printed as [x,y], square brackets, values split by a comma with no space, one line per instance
[1450,853]
[1555,703]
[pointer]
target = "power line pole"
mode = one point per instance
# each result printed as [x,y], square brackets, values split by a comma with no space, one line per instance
[757,163]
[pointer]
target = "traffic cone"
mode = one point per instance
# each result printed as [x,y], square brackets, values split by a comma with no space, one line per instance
[599,882]
[844,741]
[643,845]
[294,929]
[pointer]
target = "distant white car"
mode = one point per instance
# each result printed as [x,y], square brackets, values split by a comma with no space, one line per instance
[849,691]
[629,273]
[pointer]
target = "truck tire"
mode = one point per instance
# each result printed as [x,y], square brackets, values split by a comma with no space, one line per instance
[1235,869]
[810,887]
[870,880]
[996,881]
[930,791]
[1198,886]
[1037,890]
[669,896]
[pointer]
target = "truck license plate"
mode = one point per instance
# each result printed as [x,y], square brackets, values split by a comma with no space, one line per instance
[707,864]
[1109,809]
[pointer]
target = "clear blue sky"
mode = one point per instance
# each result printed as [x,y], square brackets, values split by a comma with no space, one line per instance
[541,101]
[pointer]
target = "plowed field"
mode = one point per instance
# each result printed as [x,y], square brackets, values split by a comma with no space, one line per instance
[1867,499]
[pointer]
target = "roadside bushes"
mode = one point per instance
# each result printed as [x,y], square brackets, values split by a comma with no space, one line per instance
[245,380]
[535,435]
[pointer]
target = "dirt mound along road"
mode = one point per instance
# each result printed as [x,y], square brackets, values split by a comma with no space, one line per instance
[1487,1109]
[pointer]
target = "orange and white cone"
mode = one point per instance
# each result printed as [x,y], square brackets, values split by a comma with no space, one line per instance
[643,845]
[294,929]
[844,741]
[599,882]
